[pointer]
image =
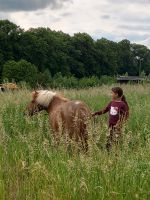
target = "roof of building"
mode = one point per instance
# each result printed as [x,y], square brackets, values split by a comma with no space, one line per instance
[130,78]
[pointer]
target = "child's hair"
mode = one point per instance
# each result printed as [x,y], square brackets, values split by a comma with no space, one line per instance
[119,91]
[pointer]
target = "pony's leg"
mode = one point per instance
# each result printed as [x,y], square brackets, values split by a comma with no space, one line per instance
[110,140]
[56,138]
[56,134]
[84,137]
[55,126]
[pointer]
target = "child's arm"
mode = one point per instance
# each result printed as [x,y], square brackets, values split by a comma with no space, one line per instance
[103,111]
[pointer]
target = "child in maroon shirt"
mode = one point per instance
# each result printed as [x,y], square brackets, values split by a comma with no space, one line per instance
[118,113]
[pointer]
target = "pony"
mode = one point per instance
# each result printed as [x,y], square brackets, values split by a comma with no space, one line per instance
[66,116]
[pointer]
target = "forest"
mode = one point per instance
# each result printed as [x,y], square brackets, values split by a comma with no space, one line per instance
[39,54]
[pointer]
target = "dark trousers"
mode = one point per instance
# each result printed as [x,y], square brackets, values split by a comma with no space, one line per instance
[113,137]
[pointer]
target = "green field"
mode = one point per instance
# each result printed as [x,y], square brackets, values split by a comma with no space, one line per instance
[32,169]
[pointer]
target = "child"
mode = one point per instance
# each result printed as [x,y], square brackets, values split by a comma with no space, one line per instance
[118,113]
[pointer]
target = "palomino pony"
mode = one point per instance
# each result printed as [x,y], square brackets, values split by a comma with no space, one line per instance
[65,116]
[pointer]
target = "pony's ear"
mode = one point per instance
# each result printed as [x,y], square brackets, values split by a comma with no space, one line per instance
[34,94]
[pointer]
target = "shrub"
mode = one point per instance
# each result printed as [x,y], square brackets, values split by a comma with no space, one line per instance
[20,71]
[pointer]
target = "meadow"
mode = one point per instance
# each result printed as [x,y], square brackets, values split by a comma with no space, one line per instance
[31,168]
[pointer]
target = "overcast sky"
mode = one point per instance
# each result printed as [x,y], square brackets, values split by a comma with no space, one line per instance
[112,19]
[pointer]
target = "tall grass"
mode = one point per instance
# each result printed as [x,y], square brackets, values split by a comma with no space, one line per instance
[32,169]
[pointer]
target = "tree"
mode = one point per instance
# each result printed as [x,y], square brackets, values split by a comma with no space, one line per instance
[84,53]
[44,79]
[79,55]
[20,71]
[34,49]
[9,39]
[126,58]
[107,56]
[141,58]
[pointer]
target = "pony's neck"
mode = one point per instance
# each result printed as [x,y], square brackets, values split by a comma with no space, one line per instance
[56,101]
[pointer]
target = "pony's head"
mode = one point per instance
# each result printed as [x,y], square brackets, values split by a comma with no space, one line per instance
[40,101]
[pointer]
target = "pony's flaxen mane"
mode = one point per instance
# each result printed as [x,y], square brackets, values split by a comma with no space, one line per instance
[44,97]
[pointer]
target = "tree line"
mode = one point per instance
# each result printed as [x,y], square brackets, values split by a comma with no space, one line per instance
[39,54]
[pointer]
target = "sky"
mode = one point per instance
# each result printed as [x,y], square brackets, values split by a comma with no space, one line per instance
[111,19]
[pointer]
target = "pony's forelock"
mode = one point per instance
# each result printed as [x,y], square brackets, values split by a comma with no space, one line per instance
[44,97]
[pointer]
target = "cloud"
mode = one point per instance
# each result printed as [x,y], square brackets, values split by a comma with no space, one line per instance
[135,27]
[4,15]
[29,5]
[66,14]
[112,19]
[105,16]
[146,42]
[129,1]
